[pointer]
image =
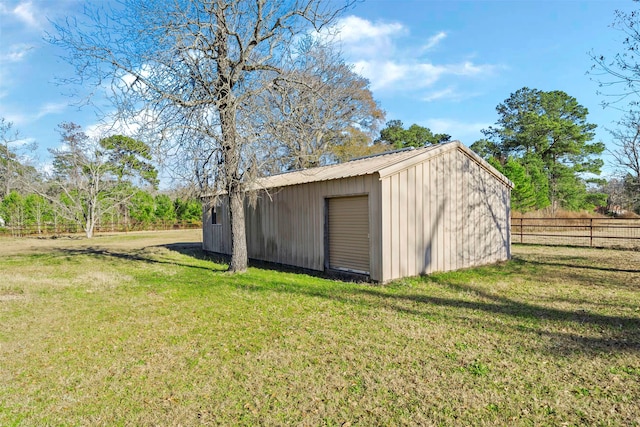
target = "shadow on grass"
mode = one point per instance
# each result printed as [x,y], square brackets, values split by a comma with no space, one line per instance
[616,333]
[192,250]
[608,333]
[587,267]
[587,273]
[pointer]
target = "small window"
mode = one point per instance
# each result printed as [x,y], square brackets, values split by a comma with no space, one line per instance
[215,219]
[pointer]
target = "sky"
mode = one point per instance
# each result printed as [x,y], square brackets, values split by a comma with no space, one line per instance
[445,65]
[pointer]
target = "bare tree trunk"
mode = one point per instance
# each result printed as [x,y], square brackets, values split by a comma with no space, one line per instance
[90,219]
[88,229]
[238,236]
[235,192]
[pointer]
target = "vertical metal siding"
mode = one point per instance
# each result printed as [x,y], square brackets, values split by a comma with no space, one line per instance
[440,213]
[206,226]
[286,225]
[391,244]
[217,237]
[385,229]
[411,223]
[445,213]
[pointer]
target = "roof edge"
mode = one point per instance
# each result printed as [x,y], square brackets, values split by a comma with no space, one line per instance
[440,149]
[486,165]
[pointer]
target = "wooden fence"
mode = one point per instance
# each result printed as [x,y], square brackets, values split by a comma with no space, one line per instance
[50,229]
[591,232]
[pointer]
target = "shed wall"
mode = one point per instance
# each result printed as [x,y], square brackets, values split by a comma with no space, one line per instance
[442,214]
[287,224]
[216,237]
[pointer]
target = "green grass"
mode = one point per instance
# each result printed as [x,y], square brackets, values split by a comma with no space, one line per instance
[102,334]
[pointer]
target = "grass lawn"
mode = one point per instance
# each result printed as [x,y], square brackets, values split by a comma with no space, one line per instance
[144,330]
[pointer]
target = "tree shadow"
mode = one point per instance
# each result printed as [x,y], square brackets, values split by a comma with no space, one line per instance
[192,250]
[586,267]
[624,332]
[617,333]
[611,333]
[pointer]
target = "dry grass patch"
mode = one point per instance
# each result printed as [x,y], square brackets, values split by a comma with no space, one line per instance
[140,332]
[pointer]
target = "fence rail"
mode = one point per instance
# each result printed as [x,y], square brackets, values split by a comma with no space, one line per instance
[50,229]
[591,232]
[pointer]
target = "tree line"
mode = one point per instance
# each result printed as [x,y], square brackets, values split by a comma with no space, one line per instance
[110,183]
[32,214]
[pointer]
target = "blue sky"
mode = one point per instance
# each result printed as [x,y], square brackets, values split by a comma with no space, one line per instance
[441,64]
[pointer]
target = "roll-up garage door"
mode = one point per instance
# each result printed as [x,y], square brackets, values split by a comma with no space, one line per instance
[349,233]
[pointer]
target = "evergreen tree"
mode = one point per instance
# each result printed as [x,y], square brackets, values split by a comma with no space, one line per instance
[188,210]
[142,208]
[38,211]
[415,136]
[549,133]
[13,212]
[164,209]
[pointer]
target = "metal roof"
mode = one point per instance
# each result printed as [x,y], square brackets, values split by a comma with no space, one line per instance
[357,167]
[383,164]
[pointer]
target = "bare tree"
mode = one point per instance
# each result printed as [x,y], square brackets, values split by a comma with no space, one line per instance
[78,179]
[92,178]
[14,169]
[321,110]
[618,75]
[7,156]
[189,69]
[626,153]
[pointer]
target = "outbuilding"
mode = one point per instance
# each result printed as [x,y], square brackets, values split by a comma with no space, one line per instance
[397,214]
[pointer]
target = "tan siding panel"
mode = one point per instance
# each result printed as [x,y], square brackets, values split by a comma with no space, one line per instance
[375,232]
[418,250]
[385,242]
[446,247]
[426,228]
[206,227]
[439,252]
[395,226]
[409,206]
[457,211]
[402,223]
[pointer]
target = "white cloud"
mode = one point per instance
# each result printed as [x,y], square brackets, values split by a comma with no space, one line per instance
[450,93]
[112,124]
[17,119]
[434,41]
[25,12]
[22,119]
[447,93]
[22,142]
[381,74]
[16,52]
[383,53]
[365,39]
[396,75]
[354,29]
[50,108]
[13,54]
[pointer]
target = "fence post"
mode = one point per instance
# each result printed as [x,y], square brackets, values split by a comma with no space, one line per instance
[590,232]
[520,229]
